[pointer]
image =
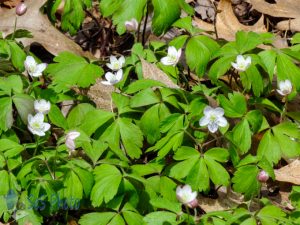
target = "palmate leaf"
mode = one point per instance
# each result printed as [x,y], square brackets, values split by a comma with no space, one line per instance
[72,70]
[280,141]
[107,181]
[165,14]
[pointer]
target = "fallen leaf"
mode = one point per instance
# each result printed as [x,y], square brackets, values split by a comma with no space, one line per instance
[151,71]
[282,8]
[41,28]
[100,94]
[10,3]
[227,24]
[289,173]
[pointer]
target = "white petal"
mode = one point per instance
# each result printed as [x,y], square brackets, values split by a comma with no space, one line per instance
[288,83]
[187,188]
[106,83]
[222,122]
[29,62]
[110,66]
[167,61]
[219,111]
[235,66]
[40,67]
[240,59]
[39,117]
[248,61]
[35,74]
[280,92]
[119,75]
[70,144]
[204,121]
[109,76]
[30,118]
[113,59]
[212,127]
[208,110]
[172,51]
[122,60]
[179,54]
[46,127]
[73,135]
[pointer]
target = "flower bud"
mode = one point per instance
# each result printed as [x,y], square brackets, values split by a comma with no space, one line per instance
[131,25]
[263,176]
[21,9]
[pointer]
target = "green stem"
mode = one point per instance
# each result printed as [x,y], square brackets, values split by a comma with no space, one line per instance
[188,213]
[15,27]
[37,145]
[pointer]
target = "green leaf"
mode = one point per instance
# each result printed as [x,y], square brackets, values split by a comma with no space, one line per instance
[131,136]
[149,124]
[143,84]
[246,41]
[86,179]
[73,188]
[160,218]
[271,215]
[199,51]
[18,56]
[10,84]
[19,33]
[198,177]
[108,179]
[96,218]
[286,69]
[220,67]
[255,119]
[295,196]
[268,58]
[269,148]
[126,13]
[241,136]
[182,169]
[78,113]
[57,118]
[251,78]
[108,7]
[218,154]
[6,117]
[163,203]
[249,221]
[24,104]
[217,173]
[4,181]
[235,106]
[72,70]
[144,98]
[95,119]
[165,14]
[245,181]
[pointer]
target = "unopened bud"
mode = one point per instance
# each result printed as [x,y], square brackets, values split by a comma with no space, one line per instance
[263,176]
[131,25]
[193,204]
[21,9]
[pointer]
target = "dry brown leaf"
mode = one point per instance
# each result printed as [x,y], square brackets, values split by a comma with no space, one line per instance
[282,8]
[289,173]
[42,29]
[10,3]
[100,94]
[227,24]
[151,71]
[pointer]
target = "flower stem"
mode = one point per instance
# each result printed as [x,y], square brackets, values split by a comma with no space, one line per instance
[37,145]
[15,27]
[188,213]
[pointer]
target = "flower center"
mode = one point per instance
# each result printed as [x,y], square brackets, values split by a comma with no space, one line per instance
[242,65]
[116,65]
[32,68]
[213,118]
[36,125]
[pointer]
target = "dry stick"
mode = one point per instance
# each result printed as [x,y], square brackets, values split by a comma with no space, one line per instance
[215,19]
[145,26]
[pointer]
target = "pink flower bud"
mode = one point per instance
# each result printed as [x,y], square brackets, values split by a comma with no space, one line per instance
[263,176]
[21,9]
[193,204]
[131,25]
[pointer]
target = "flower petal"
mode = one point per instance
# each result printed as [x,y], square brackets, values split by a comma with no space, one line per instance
[109,76]
[29,62]
[204,121]
[212,127]
[119,75]
[39,117]
[235,66]
[222,122]
[122,60]
[46,127]
[207,110]
[40,67]
[172,51]
[219,111]
[240,59]
[166,61]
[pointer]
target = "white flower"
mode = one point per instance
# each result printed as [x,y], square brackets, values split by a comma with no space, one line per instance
[32,68]
[241,64]
[42,106]
[70,137]
[113,78]
[115,64]
[213,118]
[36,124]
[131,25]
[285,87]
[186,196]
[172,58]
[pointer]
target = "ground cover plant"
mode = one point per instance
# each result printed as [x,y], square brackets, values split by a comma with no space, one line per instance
[195,119]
